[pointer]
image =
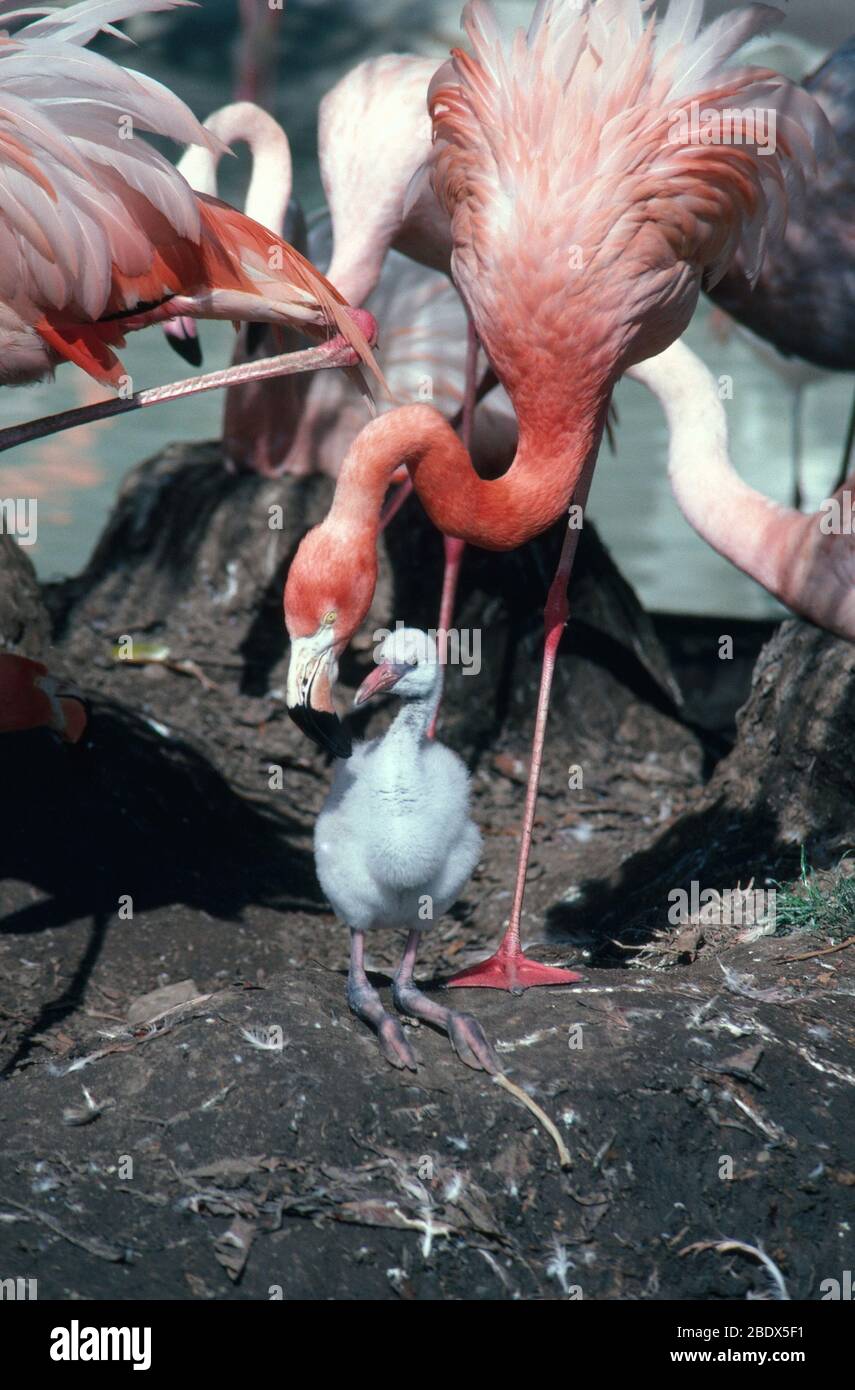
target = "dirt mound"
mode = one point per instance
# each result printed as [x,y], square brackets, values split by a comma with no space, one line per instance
[216,1161]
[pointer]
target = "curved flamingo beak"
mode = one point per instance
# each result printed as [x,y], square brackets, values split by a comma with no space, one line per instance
[383,677]
[308,694]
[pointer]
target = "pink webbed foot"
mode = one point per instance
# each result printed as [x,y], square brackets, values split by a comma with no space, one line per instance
[513,971]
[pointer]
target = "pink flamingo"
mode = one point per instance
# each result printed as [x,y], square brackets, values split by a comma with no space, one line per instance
[374,137]
[267,196]
[584,217]
[422,347]
[794,374]
[99,234]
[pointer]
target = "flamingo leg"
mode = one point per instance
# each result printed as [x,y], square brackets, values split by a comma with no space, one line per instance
[365,1002]
[454,548]
[847,449]
[510,968]
[395,501]
[334,353]
[465,1033]
[797,445]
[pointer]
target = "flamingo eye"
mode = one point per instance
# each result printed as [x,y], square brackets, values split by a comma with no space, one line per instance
[329,618]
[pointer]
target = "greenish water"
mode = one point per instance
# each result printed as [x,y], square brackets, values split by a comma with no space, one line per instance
[76,476]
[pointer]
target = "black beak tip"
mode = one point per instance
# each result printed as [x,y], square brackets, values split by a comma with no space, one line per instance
[326,730]
[188,348]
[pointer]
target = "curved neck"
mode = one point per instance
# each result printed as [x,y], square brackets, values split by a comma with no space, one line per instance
[756,534]
[357,260]
[271,180]
[496,514]
[410,725]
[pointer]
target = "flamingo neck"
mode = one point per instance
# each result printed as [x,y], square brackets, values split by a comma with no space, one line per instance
[408,731]
[355,268]
[759,536]
[496,514]
[269,191]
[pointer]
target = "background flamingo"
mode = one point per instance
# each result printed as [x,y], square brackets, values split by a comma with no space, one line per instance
[561,141]
[794,374]
[256,65]
[259,418]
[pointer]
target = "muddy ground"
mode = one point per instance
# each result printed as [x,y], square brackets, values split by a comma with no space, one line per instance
[701,1078]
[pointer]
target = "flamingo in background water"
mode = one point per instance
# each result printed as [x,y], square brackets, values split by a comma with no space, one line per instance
[583,228]
[803,301]
[267,197]
[257,48]
[99,234]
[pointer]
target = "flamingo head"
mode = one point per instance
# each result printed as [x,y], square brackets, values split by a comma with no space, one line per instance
[407,663]
[327,595]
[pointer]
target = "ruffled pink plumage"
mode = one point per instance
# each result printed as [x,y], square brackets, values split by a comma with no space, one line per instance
[99,233]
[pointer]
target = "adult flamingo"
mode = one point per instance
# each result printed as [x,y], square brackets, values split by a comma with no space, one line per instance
[584,217]
[99,234]
[794,373]
[422,347]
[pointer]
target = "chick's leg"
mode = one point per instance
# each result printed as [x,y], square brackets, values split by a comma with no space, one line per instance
[365,1002]
[467,1036]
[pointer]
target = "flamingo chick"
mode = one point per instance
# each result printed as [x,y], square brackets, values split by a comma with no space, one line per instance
[394,845]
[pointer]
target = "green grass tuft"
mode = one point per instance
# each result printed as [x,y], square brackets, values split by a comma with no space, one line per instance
[822,903]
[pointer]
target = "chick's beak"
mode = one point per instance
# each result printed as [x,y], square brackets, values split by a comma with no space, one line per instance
[383,677]
[309,695]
